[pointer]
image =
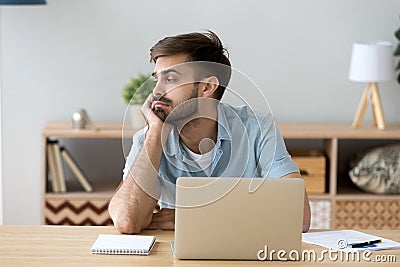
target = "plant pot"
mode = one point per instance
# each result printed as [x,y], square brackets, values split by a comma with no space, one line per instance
[137,119]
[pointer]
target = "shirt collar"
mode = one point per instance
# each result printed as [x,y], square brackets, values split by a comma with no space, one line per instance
[172,145]
[223,126]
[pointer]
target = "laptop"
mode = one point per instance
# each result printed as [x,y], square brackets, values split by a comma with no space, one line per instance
[238,218]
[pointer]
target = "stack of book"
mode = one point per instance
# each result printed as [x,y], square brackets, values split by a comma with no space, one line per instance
[56,154]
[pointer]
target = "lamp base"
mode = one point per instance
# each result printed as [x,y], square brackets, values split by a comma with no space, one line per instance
[371,93]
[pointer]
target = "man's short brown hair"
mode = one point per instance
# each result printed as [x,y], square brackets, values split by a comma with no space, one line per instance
[198,47]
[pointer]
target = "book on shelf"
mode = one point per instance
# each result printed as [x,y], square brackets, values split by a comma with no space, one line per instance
[59,167]
[76,170]
[51,163]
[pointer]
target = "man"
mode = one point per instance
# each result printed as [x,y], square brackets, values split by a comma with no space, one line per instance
[191,133]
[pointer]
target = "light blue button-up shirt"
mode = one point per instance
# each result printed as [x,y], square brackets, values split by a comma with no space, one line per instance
[248,145]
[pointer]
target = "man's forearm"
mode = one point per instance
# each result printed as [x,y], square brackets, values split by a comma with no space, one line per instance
[307,214]
[133,203]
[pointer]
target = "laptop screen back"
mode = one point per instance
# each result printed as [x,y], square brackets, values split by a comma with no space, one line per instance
[225,218]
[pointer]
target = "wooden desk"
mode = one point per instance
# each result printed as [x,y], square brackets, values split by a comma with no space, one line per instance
[70,246]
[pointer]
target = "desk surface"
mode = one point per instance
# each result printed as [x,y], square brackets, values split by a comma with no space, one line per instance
[70,246]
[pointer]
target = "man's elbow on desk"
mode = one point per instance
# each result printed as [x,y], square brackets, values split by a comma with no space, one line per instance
[125,222]
[306,224]
[306,214]
[127,225]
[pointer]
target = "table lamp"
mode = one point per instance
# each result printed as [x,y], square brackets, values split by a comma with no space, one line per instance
[371,62]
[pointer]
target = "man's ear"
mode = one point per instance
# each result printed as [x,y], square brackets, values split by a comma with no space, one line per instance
[210,84]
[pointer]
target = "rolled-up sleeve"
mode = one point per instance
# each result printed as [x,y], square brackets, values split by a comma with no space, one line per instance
[138,139]
[274,159]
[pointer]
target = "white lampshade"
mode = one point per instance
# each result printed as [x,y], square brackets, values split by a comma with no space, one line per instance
[372,62]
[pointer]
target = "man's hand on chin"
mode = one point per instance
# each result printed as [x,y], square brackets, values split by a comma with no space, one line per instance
[163,219]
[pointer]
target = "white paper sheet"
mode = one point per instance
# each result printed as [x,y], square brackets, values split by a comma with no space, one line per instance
[339,240]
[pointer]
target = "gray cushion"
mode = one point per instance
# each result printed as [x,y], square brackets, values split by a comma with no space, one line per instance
[378,171]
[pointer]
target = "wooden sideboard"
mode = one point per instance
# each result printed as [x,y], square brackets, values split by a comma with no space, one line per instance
[342,205]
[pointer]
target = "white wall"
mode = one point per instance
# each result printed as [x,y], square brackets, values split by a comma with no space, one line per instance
[1,138]
[1,132]
[79,53]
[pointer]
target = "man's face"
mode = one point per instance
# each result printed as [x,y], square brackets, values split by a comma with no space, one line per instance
[175,89]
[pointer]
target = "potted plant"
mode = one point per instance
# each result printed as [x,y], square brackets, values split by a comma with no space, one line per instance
[134,94]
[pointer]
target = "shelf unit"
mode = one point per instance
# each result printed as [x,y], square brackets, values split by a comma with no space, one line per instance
[76,207]
[349,207]
[333,209]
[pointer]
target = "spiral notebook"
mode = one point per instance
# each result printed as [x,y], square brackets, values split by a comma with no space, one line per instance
[123,244]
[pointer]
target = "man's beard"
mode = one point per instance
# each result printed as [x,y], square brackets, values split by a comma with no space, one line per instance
[182,112]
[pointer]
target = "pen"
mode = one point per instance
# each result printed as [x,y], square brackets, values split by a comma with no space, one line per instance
[363,244]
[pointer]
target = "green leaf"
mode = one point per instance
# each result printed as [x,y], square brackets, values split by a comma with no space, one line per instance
[138,89]
[398,65]
[397,34]
[397,51]
[398,77]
